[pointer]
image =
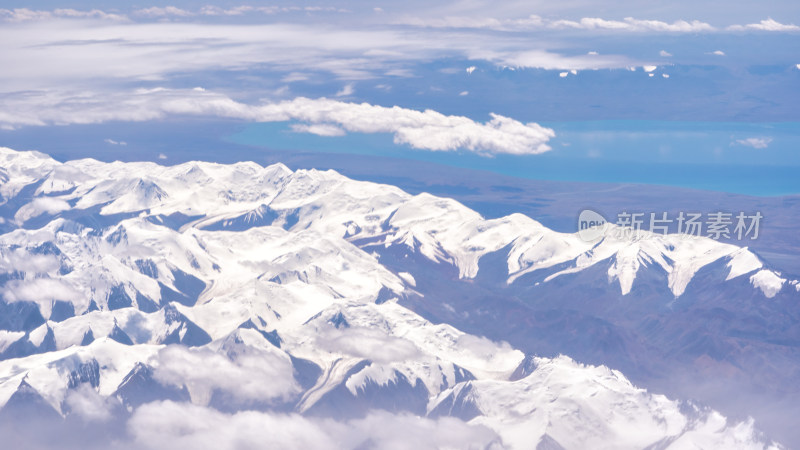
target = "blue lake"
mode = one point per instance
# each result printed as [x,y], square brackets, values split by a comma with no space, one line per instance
[701,155]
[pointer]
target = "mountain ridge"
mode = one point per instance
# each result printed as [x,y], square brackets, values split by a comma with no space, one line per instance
[158,255]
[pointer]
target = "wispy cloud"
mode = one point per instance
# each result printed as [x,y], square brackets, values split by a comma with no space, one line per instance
[295,76]
[543,59]
[179,425]
[477,18]
[25,14]
[766,25]
[58,65]
[318,129]
[533,22]
[346,91]
[39,206]
[24,261]
[636,25]
[240,375]
[471,22]
[367,343]
[211,10]
[166,11]
[42,291]
[755,142]
[37,55]
[88,404]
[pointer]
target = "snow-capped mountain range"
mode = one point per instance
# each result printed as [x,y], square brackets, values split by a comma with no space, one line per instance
[163,298]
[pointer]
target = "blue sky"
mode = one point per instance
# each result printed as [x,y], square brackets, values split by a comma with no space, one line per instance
[690,94]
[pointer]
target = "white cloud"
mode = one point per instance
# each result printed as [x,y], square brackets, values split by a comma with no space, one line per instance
[252,375]
[21,260]
[295,76]
[649,69]
[631,24]
[550,61]
[246,9]
[236,10]
[565,74]
[210,10]
[798,66]
[347,90]
[463,93]
[766,25]
[166,11]
[162,156]
[367,343]
[405,73]
[470,69]
[88,404]
[38,55]
[477,20]
[39,206]
[533,22]
[628,24]
[454,22]
[321,129]
[428,130]
[25,14]
[664,53]
[385,430]
[42,291]
[718,53]
[754,142]
[175,425]
[113,142]
[485,349]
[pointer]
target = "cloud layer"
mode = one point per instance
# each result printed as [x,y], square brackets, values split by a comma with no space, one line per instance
[176,425]
[478,20]
[67,66]
[427,130]
[252,376]
[38,55]
[631,24]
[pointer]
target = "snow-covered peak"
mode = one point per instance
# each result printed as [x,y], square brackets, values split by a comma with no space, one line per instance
[245,195]
[129,283]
